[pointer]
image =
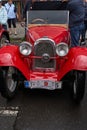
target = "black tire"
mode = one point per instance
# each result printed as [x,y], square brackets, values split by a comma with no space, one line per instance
[3,40]
[78,86]
[8,82]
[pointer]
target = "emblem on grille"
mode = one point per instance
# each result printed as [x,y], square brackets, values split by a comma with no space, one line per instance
[45,57]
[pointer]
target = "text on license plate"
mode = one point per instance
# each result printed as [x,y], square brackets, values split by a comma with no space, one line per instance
[44,84]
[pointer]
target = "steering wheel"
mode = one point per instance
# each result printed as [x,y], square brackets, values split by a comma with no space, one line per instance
[38,20]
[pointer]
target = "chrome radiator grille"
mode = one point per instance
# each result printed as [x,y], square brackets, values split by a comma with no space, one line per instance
[42,48]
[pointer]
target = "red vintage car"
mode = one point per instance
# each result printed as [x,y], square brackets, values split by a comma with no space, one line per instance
[4,36]
[45,60]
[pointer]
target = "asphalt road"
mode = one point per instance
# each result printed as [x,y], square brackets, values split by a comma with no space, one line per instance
[43,110]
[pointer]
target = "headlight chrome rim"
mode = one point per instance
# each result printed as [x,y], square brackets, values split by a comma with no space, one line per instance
[25,48]
[62,49]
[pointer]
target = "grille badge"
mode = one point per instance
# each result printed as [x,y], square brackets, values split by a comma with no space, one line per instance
[45,57]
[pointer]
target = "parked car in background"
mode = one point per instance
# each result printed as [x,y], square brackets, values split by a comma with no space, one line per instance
[4,36]
[45,60]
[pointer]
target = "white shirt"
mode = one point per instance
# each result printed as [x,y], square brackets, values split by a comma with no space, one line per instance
[10,10]
[3,15]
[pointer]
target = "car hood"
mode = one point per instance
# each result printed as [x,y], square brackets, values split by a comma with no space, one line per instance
[56,33]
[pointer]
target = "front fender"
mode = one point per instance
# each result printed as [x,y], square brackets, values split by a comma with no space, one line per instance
[76,60]
[10,56]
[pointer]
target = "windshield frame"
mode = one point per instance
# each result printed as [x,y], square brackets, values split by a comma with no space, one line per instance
[55,17]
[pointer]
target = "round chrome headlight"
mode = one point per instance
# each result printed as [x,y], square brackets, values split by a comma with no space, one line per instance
[25,48]
[62,49]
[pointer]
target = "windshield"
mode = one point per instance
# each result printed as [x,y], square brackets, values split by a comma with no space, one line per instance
[47,17]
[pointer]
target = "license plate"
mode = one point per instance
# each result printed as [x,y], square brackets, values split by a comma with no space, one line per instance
[44,84]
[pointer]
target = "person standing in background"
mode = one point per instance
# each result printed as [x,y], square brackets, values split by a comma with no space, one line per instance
[83,42]
[85,20]
[11,12]
[3,16]
[76,20]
